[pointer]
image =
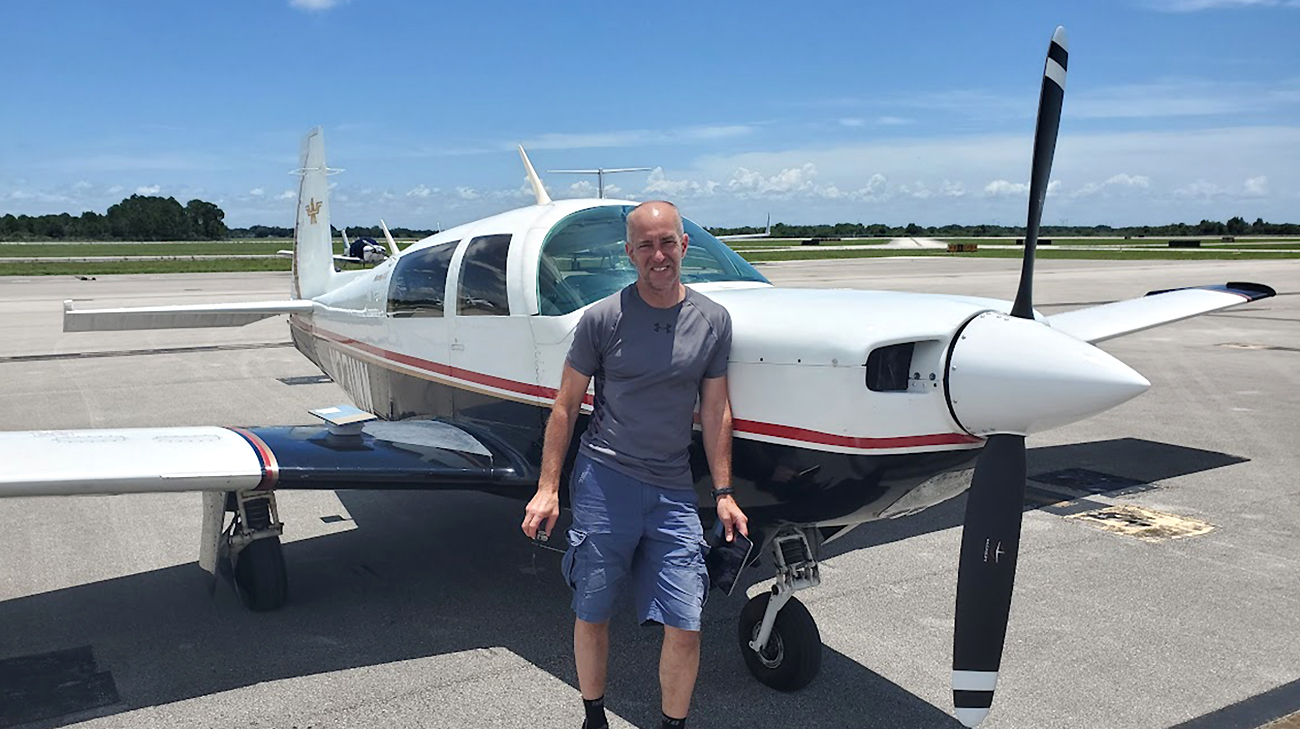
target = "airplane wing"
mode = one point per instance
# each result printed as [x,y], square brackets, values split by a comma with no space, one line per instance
[185,316]
[1099,323]
[410,454]
[346,259]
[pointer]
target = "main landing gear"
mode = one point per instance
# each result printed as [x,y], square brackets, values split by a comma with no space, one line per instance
[778,636]
[248,551]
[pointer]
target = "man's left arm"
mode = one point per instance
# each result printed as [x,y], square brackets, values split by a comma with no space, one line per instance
[715,422]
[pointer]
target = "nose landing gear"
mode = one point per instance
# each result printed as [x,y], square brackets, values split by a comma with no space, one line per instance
[778,636]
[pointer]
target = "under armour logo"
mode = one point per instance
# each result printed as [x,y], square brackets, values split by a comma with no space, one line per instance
[661,327]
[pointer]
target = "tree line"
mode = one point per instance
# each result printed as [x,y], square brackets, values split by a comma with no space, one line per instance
[139,217]
[1233,226]
[151,218]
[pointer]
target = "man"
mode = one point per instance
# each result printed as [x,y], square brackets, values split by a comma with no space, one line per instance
[655,348]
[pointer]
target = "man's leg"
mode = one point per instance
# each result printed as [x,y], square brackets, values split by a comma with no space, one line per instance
[591,653]
[679,663]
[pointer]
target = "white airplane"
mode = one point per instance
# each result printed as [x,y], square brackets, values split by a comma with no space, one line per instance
[850,406]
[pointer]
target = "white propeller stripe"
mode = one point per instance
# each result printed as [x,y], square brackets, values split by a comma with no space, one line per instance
[1055,72]
[974,680]
[971,717]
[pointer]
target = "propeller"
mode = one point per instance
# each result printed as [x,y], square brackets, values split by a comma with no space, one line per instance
[990,538]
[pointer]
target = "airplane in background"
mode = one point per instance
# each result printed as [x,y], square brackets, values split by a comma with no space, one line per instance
[850,406]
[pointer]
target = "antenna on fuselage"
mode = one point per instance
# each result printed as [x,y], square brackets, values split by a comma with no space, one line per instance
[538,189]
[600,173]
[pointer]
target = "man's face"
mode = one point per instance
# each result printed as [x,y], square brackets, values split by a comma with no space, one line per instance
[655,248]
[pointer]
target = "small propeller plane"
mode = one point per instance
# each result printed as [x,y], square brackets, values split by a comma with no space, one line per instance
[849,406]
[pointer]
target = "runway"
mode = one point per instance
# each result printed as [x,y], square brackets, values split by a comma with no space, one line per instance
[412,609]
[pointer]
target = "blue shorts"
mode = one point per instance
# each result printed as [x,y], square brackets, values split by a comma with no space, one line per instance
[625,527]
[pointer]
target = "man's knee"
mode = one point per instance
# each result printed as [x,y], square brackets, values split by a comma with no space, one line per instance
[680,637]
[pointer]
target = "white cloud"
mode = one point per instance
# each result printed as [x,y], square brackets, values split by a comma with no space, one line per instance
[892,121]
[952,189]
[1121,180]
[998,188]
[658,185]
[148,190]
[286,195]
[257,192]
[1257,186]
[420,191]
[315,4]
[852,122]
[115,189]
[467,193]
[1200,189]
[82,185]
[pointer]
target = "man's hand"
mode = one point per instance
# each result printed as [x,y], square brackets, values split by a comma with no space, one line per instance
[542,511]
[732,517]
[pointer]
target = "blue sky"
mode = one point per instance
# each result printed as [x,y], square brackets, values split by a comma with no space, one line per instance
[1175,110]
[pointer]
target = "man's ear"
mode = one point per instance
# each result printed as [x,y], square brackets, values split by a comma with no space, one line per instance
[686,239]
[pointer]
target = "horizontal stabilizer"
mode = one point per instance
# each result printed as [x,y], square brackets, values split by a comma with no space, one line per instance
[1099,323]
[409,454]
[187,316]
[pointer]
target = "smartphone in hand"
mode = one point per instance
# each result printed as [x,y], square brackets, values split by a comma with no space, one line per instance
[726,559]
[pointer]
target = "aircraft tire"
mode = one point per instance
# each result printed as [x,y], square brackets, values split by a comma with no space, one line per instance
[793,654]
[261,578]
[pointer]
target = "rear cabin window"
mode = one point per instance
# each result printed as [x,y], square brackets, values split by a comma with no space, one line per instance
[483,277]
[419,281]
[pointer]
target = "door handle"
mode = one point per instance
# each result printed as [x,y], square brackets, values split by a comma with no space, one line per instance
[458,348]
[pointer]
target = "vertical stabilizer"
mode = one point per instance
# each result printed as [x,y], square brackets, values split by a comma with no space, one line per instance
[313,246]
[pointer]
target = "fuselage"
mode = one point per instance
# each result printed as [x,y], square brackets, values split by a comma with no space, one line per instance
[839,397]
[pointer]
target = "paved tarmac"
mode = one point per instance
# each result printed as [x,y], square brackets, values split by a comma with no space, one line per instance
[430,610]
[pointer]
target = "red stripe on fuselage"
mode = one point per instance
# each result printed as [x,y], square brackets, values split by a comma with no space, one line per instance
[786,432]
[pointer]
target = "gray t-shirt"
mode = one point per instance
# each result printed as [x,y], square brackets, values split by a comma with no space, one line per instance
[648,365]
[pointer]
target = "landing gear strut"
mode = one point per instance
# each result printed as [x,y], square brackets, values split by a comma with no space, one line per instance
[778,636]
[248,550]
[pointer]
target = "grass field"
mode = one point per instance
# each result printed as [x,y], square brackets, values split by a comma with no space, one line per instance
[200,248]
[1152,250]
[1154,254]
[101,268]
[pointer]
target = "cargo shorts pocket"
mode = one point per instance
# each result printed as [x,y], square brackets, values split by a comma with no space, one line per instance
[581,567]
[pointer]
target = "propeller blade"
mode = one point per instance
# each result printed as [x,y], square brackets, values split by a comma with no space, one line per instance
[990,541]
[1049,121]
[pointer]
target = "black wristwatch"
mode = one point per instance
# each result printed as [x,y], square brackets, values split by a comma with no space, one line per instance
[724,491]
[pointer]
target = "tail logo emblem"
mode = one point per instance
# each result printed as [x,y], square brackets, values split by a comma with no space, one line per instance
[313,209]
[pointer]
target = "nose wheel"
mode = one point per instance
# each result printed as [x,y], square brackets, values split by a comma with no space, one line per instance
[793,652]
[778,637]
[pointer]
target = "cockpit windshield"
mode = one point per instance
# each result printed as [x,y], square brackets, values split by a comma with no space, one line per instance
[583,260]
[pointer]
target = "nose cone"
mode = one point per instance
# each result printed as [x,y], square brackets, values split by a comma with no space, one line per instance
[1018,376]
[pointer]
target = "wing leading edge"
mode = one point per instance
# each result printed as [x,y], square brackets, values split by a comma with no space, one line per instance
[386,455]
[1099,323]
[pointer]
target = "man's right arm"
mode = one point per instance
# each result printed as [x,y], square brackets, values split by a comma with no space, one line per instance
[544,508]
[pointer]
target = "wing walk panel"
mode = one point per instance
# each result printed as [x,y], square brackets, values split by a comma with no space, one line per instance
[396,455]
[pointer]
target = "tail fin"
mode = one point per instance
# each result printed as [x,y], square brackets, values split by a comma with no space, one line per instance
[392,244]
[313,245]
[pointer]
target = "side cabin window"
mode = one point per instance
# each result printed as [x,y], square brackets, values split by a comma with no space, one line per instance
[583,259]
[483,277]
[419,281]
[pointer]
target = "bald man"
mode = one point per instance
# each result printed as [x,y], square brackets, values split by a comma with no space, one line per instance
[655,349]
